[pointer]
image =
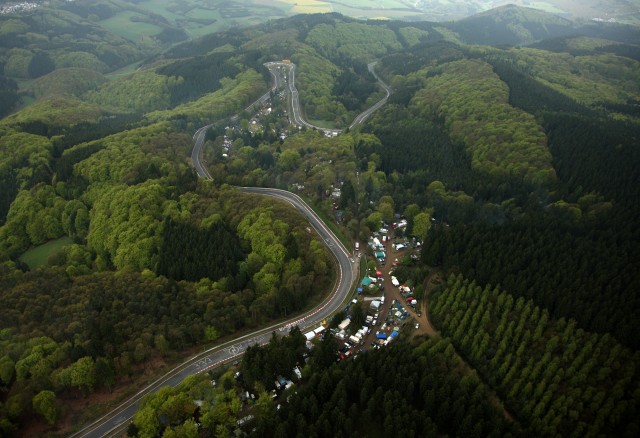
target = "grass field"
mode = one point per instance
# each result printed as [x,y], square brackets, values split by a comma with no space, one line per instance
[122,25]
[170,9]
[38,256]
[316,8]
[124,71]
[307,6]
[187,14]
[323,123]
[547,7]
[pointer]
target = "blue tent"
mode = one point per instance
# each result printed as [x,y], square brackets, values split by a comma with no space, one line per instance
[359,290]
[381,336]
[394,334]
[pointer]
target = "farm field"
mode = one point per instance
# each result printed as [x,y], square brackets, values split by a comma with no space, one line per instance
[379,9]
[196,18]
[122,25]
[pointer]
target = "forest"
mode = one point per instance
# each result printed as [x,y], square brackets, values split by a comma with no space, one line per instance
[516,166]
[75,314]
[556,377]
[411,389]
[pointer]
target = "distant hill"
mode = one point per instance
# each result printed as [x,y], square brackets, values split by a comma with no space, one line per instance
[584,45]
[512,24]
[34,44]
[516,25]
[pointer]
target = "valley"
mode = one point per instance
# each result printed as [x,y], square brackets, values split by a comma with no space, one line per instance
[346,227]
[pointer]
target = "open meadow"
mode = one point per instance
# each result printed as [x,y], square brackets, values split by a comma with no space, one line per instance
[39,255]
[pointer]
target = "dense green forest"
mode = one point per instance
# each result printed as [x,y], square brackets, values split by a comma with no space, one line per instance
[70,314]
[411,389]
[556,377]
[36,43]
[517,168]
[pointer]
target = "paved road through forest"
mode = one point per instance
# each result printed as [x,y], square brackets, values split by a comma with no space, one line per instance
[116,421]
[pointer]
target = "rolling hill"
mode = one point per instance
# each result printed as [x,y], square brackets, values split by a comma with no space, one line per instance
[515,165]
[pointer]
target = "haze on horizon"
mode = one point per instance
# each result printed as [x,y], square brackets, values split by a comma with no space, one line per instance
[253,11]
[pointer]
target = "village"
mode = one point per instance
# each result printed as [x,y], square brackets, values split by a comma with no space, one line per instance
[14,8]
[379,313]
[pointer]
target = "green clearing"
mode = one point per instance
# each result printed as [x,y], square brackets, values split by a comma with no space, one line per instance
[547,7]
[169,9]
[38,256]
[187,16]
[327,124]
[201,14]
[122,25]
[195,29]
[124,71]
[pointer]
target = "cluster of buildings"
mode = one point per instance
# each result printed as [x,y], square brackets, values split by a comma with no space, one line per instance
[226,143]
[14,8]
[377,244]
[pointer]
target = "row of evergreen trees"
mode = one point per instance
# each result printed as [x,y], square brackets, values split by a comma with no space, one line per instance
[403,390]
[556,378]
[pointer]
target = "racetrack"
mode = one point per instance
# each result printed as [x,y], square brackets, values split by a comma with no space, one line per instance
[116,421]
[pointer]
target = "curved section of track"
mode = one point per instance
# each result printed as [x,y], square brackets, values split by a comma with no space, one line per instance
[365,114]
[295,99]
[116,421]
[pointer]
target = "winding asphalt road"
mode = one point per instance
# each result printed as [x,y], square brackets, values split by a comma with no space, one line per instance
[364,115]
[295,100]
[116,422]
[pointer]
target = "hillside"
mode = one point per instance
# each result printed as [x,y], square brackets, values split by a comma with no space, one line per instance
[515,25]
[34,44]
[619,11]
[517,169]
[510,24]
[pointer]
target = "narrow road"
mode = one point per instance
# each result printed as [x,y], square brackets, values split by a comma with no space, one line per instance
[364,115]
